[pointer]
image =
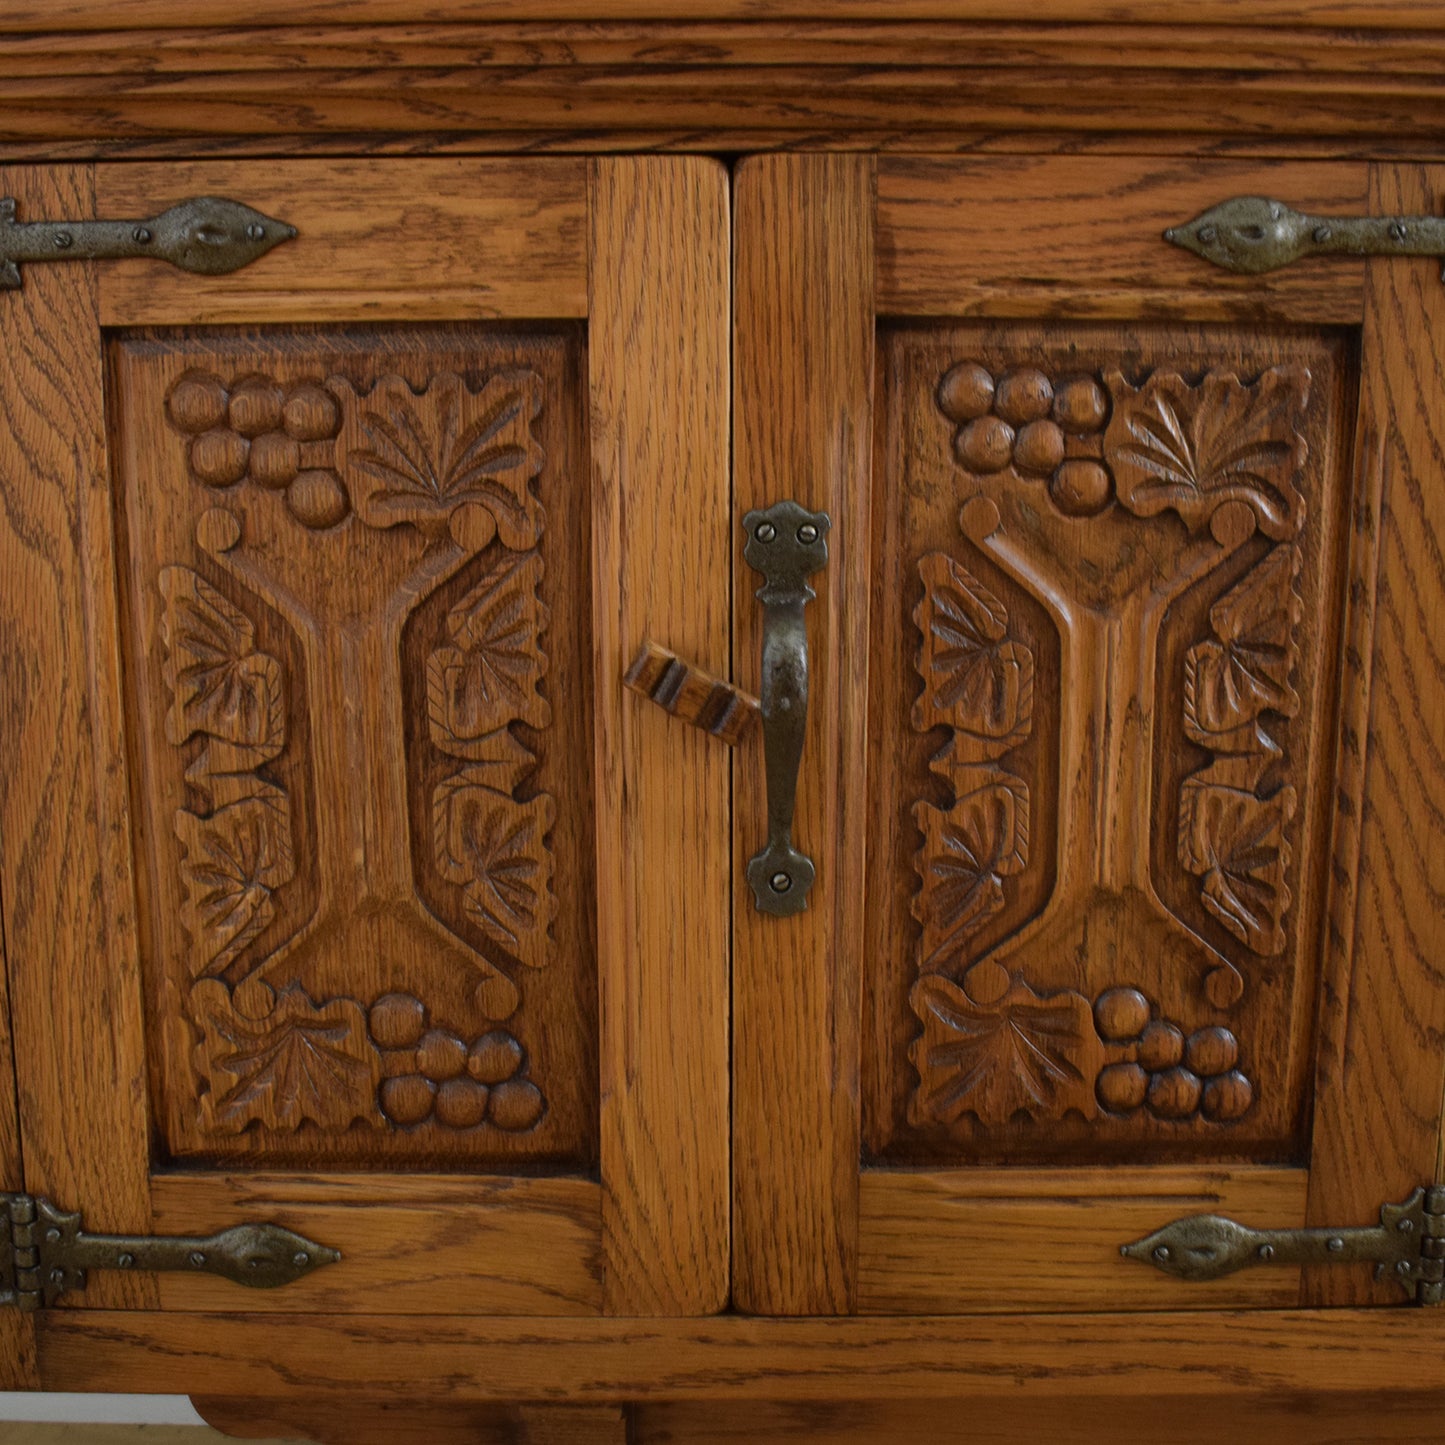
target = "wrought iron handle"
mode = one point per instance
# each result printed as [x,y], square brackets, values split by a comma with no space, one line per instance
[207,235]
[787,544]
[1252,234]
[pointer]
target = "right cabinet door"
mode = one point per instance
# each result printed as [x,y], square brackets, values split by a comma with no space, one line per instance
[1124,774]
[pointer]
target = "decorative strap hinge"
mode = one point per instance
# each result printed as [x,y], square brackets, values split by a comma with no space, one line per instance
[1407,1246]
[207,235]
[49,1253]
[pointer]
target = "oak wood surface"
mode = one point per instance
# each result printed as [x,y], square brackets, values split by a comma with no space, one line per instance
[662,530]
[1222,1354]
[84,15]
[366,1420]
[1079,237]
[17,1330]
[1378,1111]
[802,374]
[1179,1419]
[971,1240]
[420,239]
[412,1244]
[70,927]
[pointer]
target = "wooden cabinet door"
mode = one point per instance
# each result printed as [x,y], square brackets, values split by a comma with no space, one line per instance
[342,888]
[1123,777]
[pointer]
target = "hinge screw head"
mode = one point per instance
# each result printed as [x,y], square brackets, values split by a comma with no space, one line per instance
[64,240]
[1322,233]
[126,1261]
[256,231]
[198,1259]
[1403,1267]
[1266,1251]
[1397,230]
[1405,1226]
[1161,1253]
[52,1236]
[301,1259]
[766,532]
[807,534]
[57,1276]
[1334,1245]
[780,882]
[141,235]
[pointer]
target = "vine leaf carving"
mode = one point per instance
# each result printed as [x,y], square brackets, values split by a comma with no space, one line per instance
[975,679]
[1192,448]
[220,685]
[301,1062]
[494,849]
[1245,669]
[1016,1053]
[415,457]
[232,862]
[490,676]
[967,853]
[1236,843]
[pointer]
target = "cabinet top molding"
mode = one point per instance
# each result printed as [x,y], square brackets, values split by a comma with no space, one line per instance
[159,78]
[50,15]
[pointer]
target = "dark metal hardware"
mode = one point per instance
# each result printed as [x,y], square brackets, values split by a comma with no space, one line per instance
[787,544]
[204,234]
[1407,1246]
[1252,234]
[49,1253]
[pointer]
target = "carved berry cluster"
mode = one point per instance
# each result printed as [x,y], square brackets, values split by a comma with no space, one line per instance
[434,1073]
[279,437]
[1041,429]
[1173,1076]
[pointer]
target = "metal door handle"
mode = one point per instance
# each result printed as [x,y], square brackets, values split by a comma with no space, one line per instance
[787,544]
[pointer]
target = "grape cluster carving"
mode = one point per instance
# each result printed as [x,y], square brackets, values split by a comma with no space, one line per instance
[1040,428]
[1161,1069]
[280,437]
[432,1072]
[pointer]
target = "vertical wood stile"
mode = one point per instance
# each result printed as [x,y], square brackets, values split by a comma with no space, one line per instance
[66,879]
[17,1331]
[657,356]
[802,385]
[1378,1095]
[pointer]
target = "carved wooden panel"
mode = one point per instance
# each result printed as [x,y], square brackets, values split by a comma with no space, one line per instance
[356,603]
[1103,664]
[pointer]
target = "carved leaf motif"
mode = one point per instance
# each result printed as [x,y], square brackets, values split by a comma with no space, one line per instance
[302,1062]
[1236,843]
[234,860]
[220,685]
[494,848]
[1020,1053]
[1193,448]
[1228,683]
[491,676]
[975,679]
[421,455]
[967,852]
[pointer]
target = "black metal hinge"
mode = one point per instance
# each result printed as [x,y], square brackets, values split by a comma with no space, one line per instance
[49,1253]
[1407,1246]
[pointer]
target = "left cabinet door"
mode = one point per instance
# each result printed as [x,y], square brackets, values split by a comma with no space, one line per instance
[340,886]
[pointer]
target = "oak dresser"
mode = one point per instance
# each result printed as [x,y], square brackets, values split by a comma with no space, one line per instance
[725,723]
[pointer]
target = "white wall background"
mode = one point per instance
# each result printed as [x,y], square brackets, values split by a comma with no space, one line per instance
[99,1409]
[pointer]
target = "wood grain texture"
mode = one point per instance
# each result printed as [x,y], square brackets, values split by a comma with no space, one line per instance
[84,15]
[367,1420]
[802,377]
[411,1244]
[421,239]
[1221,1354]
[1081,237]
[70,929]
[17,1330]
[691,695]
[1180,1419]
[1378,1094]
[662,530]
[971,1240]
[834,76]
